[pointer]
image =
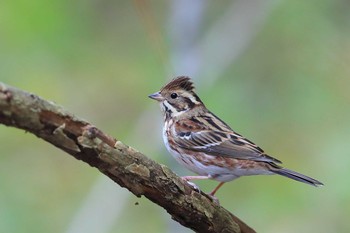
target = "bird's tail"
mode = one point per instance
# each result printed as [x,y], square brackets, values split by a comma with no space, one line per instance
[296,176]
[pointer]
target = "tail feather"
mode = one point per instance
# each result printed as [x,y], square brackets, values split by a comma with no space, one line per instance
[297,176]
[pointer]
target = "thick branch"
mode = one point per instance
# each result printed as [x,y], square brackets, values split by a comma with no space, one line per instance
[123,164]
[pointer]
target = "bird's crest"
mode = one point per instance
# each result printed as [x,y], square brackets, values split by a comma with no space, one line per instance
[181,82]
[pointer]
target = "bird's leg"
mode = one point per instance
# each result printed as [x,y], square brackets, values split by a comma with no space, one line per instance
[212,193]
[188,178]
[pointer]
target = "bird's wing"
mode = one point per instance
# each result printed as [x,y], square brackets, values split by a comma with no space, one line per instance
[219,143]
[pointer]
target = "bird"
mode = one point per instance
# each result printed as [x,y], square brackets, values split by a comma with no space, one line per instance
[206,145]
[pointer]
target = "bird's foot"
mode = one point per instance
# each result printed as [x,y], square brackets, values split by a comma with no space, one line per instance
[193,185]
[213,198]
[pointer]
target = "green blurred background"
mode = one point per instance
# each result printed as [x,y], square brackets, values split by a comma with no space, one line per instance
[277,71]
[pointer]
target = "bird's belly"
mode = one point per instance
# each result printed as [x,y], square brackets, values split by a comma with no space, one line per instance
[182,158]
[222,168]
[219,168]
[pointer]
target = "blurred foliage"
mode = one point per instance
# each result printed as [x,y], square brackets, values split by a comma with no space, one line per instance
[288,92]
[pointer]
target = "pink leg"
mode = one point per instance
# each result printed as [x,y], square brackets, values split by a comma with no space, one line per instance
[212,193]
[187,178]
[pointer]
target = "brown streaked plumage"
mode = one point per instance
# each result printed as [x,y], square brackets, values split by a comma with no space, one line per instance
[206,145]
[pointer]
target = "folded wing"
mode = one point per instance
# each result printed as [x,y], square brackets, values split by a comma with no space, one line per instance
[220,143]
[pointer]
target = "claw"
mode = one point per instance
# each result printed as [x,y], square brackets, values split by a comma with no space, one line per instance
[194,186]
[214,199]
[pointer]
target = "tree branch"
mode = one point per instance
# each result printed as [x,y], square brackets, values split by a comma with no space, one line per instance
[121,163]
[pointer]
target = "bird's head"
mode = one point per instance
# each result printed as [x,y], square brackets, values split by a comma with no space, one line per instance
[177,97]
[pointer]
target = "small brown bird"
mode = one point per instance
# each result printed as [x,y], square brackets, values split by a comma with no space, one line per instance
[206,145]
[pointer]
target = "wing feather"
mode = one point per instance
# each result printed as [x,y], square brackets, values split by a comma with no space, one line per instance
[219,143]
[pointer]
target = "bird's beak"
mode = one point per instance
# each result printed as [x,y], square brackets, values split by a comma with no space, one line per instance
[156,96]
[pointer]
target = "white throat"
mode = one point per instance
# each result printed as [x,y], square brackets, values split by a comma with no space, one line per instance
[169,110]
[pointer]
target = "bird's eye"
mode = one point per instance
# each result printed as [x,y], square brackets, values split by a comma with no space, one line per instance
[173,95]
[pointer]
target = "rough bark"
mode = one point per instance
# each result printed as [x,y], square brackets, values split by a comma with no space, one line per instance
[121,163]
